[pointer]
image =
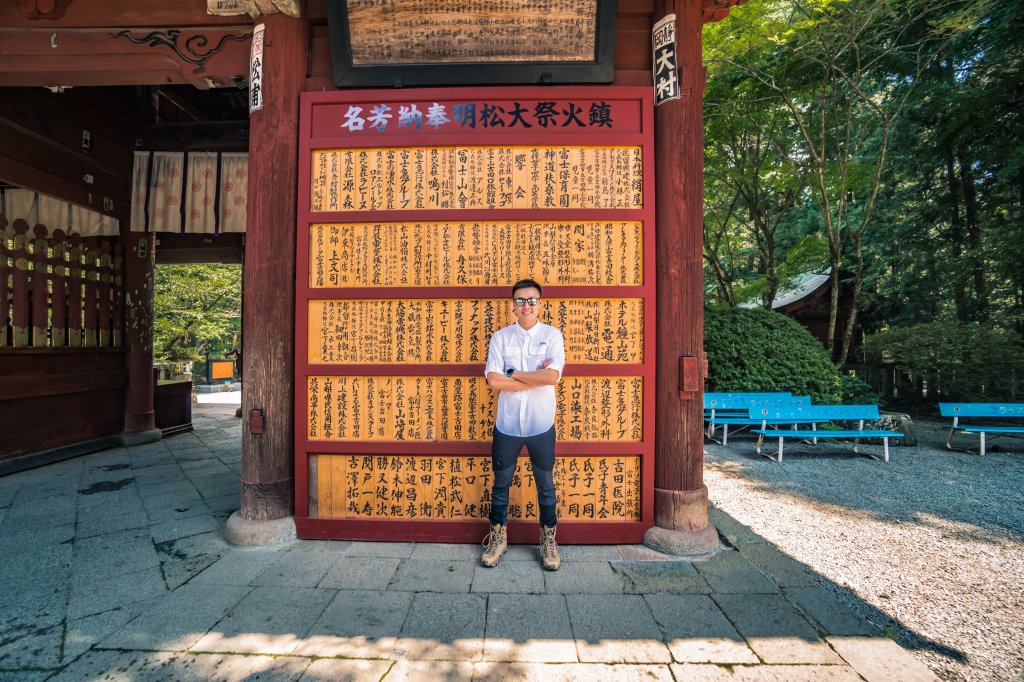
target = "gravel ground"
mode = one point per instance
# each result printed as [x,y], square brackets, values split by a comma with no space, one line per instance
[930,546]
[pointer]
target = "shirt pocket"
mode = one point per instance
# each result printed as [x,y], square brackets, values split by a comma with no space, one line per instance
[511,361]
[535,361]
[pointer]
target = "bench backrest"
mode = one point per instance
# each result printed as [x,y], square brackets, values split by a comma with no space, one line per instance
[981,409]
[739,401]
[831,412]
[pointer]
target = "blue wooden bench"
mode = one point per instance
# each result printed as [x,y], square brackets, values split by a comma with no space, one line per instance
[734,409]
[989,411]
[818,414]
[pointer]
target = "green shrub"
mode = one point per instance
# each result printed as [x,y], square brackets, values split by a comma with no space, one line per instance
[957,361]
[856,391]
[753,349]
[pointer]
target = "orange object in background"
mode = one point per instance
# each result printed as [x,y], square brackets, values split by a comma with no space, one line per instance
[222,369]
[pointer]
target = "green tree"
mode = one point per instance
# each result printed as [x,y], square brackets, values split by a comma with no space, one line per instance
[197,311]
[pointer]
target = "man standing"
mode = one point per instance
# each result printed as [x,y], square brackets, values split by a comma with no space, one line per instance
[524,362]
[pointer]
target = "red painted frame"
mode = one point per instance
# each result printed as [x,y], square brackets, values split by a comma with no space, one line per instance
[603,532]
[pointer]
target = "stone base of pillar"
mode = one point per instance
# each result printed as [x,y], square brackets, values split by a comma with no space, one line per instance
[243,533]
[137,422]
[132,438]
[682,523]
[683,542]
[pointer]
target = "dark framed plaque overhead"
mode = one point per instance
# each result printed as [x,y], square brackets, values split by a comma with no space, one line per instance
[405,43]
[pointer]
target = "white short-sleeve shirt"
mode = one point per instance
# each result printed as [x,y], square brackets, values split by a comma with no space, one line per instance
[529,412]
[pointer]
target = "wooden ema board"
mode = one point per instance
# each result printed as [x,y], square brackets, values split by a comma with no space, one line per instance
[417,331]
[473,31]
[445,409]
[465,178]
[475,254]
[418,211]
[439,488]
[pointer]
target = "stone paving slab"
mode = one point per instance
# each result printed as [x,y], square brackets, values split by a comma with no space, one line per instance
[529,627]
[673,577]
[163,666]
[398,550]
[731,573]
[832,616]
[615,628]
[360,573]
[507,577]
[774,630]
[434,671]
[339,670]
[766,673]
[697,631]
[358,624]
[443,627]
[299,566]
[782,569]
[426,575]
[879,659]
[178,620]
[89,598]
[238,567]
[585,577]
[269,620]
[573,672]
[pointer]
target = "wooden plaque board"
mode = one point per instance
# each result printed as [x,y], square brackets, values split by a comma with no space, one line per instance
[418,209]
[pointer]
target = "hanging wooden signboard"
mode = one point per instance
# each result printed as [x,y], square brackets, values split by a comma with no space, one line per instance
[418,210]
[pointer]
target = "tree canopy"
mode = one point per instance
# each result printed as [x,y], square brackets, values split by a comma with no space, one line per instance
[197,311]
[882,138]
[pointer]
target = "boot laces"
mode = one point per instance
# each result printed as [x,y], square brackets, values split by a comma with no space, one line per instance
[548,544]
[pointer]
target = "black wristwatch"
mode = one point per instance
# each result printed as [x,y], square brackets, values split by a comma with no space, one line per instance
[508,373]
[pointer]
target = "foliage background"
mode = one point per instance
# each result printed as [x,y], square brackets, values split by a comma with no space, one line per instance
[197,311]
[883,138]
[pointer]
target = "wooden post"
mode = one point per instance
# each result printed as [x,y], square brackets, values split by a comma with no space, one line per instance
[5,274]
[58,324]
[40,293]
[267,459]
[75,279]
[117,295]
[680,497]
[138,329]
[19,301]
[104,277]
[89,272]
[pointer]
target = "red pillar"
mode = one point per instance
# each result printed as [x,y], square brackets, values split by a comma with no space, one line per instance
[268,321]
[680,497]
[139,263]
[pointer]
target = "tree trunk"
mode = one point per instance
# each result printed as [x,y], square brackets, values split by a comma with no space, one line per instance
[974,236]
[956,234]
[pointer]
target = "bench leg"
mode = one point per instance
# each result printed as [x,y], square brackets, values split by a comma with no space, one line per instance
[725,434]
[757,446]
[982,434]
[885,445]
[949,439]
[856,446]
[814,427]
[780,449]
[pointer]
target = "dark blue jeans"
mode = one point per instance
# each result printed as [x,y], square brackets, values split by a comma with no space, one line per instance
[505,451]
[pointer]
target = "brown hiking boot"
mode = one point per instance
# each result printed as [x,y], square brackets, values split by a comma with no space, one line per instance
[549,549]
[495,544]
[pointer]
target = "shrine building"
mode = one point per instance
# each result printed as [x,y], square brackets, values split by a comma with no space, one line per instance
[384,171]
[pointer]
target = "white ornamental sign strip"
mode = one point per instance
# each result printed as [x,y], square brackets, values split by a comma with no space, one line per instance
[256,70]
[666,73]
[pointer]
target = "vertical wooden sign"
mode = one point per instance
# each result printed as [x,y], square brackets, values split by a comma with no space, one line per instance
[418,209]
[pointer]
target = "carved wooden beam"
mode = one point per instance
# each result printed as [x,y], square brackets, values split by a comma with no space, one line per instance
[290,8]
[716,10]
[43,9]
